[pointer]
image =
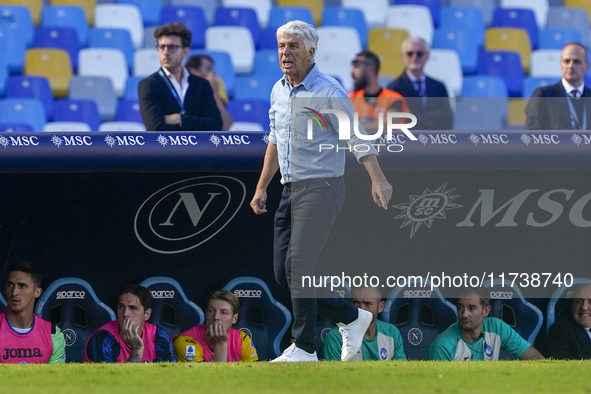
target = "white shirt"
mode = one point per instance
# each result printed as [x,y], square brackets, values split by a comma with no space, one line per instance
[181,88]
[569,88]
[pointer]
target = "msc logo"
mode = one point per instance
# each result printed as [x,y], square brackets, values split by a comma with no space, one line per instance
[248,293]
[19,141]
[415,336]
[438,139]
[417,293]
[186,214]
[540,139]
[232,139]
[70,295]
[162,293]
[491,139]
[501,295]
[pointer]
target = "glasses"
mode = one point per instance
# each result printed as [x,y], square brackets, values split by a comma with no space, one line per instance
[358,63]
[412,53]
[171,47]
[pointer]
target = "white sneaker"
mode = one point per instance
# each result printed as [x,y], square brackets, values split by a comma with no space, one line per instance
[353,334]
[294,354]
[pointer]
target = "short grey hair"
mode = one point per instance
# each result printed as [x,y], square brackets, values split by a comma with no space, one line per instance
[410,40]
[303,30]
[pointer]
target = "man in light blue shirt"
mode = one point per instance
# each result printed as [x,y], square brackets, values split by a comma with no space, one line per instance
[312,167]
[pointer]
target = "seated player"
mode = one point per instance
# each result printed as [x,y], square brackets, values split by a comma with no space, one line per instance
[24,337]
[382,341]
[216,340]
[130,338]
[477,337]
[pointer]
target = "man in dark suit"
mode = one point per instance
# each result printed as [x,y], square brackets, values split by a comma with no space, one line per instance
[570,338]
[171,99]
[427,98]
[567,111]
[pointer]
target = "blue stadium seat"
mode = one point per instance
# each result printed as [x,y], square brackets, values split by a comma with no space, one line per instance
[192,17]
[2,300]
[532,83]
[461,41]
[114,39]
[570,18]
[15,127]
[351,17]
[98,89]
[257,87]
[173,311]
[465,18]
[23,111]
[279,16]
[419,320]
[131,92]
[236,16]
[3,76]
[64,38]
[484,86]
[66,16]
[506,65]
[223,67]
[559,306]
[268,39]
[266,62]
[558,38]
[31,87]
[12,47]
[72,304]
[150,10]
[263,318]
[128,111]
[486,8]
[256,111]
[433,5]
[480,113]
[18,19]
[77,111]
[518,18]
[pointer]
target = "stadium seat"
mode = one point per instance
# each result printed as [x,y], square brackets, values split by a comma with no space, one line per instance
[207,6]
[18,18]
[559,306]
[123,16]
[128,111]
[85,111]
[518,19]
[505,65]
[246,126]
[55,127]
[266,63]
[434,7]
[484,86]
[223,67]
[264,319]
[419,320]
[340,16]
[122,126]
[256,111]
[3,76]
[416,19]
[99,89]
[486,7]
[23,111]
[145,62]
[236,41]
[460,41]
[268,39]
[375,11]
[149,39]
[3,302]
[173,311]
[12,47]
[34,7]
[72,304]
[192,17]
[64,38]
[532,83]
[87,5]
[316,6]
[15,127]
[131,84]
[149,9]
[515,40]
[546,63]
[256,87]
[387,44]
[570,18]
[480,113]
[31,87]
[66,16]
[584,4]
[53,64]
[444,65]
[279,16]
[261,7]
[467,19]
[114,39]
[337,65]
[110,63]
[331,39]
[539,7]
[245,17]
[558,38]
[516,113]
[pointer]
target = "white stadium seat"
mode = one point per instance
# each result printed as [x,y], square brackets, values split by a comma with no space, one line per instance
[336,64]
[236,41]
[246,126]
[539,7]
[416,19]
[145,62]
[375,11]
[102,62]
[445,65]
[55,127]
[121,16]
[122,126]
[546,63]
[342,39]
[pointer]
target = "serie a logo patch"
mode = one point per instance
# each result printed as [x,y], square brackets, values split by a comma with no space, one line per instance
[190,352]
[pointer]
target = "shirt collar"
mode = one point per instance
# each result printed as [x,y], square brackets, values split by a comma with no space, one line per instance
[414,79]
[308,80]
[569,88]
[184,77]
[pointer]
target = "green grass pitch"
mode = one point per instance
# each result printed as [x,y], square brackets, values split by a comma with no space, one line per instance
[415,377]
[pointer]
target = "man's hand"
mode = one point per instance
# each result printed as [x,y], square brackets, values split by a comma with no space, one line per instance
[381,192]
[132,338]
[217,333]
[174,119]
[259,202]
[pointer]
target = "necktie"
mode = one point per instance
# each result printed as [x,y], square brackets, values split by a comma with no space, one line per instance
[574,93]
[419,87]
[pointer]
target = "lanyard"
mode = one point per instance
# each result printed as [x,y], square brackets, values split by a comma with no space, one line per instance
[574,118]
[172,90]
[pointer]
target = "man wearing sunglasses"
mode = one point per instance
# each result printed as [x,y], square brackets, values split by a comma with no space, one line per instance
[427,98]
[171,99]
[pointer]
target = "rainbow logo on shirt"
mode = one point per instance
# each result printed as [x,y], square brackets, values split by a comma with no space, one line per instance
[317,115]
